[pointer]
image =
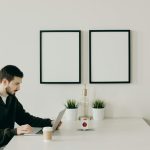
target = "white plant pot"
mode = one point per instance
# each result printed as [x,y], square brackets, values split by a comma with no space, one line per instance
[71,114]
[98,114]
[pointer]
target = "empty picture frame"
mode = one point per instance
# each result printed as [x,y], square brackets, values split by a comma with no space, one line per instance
[109,56]
[60,56]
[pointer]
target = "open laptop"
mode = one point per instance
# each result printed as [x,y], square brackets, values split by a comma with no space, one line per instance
[58,119]
[55,125]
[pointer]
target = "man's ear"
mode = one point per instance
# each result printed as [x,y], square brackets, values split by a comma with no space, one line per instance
[5,82]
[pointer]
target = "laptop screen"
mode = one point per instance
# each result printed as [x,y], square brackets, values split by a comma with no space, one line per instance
[58,119]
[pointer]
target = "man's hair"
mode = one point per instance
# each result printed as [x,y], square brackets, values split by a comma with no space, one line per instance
[9,72]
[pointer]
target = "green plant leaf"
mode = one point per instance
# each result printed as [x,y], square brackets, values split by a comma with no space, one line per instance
[71,104]
[98,103]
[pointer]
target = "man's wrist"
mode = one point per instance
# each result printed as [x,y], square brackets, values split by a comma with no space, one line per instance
[14,131]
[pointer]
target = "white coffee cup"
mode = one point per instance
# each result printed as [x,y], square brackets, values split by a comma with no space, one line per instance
[47,133]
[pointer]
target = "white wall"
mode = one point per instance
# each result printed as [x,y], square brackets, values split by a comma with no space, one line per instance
[20,22]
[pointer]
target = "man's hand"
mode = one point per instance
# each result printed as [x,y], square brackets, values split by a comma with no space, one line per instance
[24,129]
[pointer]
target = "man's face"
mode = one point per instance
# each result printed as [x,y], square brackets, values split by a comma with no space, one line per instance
[14,85]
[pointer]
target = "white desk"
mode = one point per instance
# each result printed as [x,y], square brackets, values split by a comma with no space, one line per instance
[111,134]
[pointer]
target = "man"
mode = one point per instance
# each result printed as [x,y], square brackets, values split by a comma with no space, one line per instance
[11,110]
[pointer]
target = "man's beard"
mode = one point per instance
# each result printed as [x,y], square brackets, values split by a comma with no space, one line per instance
[8,91]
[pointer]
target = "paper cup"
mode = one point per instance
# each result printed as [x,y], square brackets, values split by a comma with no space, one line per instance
[47,133]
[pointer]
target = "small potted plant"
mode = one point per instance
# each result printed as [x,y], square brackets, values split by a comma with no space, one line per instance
[98,106]
[71,109]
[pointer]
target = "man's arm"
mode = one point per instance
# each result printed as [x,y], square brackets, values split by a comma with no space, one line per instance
[6,135]
[23,117]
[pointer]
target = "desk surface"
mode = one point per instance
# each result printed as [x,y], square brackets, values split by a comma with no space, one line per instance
[110,134]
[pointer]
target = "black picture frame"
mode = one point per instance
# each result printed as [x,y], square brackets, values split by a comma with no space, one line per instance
[109,56]
[60,56]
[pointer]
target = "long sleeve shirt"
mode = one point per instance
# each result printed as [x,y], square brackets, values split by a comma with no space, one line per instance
[12,112]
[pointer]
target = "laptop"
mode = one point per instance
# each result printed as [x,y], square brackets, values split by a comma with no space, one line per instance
[58,119]
[56,123]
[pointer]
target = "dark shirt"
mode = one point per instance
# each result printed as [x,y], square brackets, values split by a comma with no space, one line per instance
[12,112]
